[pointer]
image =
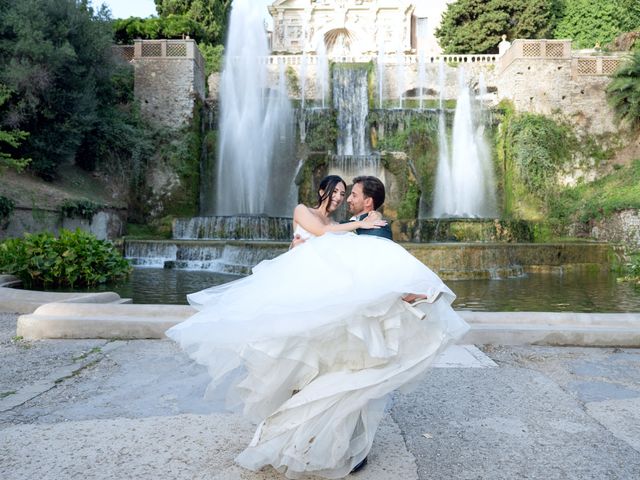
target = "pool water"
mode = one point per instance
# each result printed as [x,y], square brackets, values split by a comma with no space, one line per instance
[575,291]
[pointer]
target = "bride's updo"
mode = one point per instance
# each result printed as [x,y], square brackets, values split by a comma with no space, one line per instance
[327,186]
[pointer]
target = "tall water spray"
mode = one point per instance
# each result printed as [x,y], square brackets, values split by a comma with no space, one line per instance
[400,73]
[380,71]
[303,79]
[469,189]
[443,194]
[422,78]
[323,70]
[256,125]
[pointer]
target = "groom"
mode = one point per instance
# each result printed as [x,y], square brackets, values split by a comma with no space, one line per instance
[367,195]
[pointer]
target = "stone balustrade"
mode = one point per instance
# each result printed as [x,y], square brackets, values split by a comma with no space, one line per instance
[560,50]
[595,65]
[168,49]
[388,60]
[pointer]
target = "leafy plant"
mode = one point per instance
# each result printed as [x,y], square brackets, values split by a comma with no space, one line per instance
[212,15]
[10,140]
[172,26]
[213,57]
[624,91]
[631,270]
[79,208]
[618,191]
[73,259]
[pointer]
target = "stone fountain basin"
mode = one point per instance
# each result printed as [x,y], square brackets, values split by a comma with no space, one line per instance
[126,321]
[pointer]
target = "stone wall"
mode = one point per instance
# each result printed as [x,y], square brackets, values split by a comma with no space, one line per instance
[169,79]
[619,227]
[106,224]
[538,76]
[546,77]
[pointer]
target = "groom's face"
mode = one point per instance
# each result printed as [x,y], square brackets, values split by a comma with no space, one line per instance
[357,202]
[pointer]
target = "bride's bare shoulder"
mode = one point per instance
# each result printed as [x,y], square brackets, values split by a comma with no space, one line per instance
[302,209]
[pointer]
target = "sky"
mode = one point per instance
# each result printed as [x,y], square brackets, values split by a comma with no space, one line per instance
[146,8]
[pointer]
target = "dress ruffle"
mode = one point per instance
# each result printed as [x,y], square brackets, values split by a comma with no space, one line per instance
[315,340]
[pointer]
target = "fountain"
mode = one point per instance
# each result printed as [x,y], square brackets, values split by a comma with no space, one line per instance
[464,183]
[256,124]
[255,195]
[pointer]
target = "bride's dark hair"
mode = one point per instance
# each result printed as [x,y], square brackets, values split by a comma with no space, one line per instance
[328,185]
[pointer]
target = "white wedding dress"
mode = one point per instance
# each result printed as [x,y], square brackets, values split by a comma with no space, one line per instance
[311,344]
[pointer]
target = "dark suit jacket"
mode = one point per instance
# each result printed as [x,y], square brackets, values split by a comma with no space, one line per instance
[384,232]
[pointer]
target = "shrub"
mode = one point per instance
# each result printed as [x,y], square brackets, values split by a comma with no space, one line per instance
[73,259]
[631,270]
[6,209]
[79,208]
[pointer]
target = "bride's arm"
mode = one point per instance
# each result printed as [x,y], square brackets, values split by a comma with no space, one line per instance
[307,220]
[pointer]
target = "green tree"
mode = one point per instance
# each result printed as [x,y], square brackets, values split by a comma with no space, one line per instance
[10,140]
[630,20]
[173,26]
[70,94]
[476,26]
[624,91]
[588,23]
[211,14]
[55,55]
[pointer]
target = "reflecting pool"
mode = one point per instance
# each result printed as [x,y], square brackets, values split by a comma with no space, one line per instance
[573,291]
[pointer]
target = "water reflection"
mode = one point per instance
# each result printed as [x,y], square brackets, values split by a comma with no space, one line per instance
[160,285]
[575,292]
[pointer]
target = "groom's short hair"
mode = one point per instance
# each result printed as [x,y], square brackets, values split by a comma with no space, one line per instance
[372,187]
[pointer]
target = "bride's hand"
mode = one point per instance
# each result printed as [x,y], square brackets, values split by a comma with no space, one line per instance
[373,220]
[375,215]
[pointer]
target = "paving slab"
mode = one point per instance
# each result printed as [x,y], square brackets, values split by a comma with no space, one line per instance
[138,409]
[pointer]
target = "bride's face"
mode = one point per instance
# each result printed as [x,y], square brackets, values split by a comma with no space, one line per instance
[337,197]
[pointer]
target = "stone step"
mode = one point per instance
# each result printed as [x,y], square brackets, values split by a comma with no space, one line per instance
[14,300]
[618,320]
[113,320]
[553,335]
[83,320]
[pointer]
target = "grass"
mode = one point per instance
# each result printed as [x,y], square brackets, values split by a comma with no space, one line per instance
[618,191]
[6,394]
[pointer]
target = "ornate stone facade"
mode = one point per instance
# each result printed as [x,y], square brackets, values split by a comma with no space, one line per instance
[355,27]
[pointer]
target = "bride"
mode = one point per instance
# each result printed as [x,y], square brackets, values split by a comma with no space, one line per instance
[313,342]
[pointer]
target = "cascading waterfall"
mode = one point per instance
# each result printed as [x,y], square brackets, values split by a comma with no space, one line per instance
[255,126]
[469,190]
[350,99]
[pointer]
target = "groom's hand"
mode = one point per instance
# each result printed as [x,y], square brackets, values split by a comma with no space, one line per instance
[297,240]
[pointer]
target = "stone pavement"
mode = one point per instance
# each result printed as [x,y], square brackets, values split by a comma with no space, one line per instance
[98,409]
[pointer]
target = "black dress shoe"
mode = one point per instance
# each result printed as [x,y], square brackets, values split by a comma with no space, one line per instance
[359,466]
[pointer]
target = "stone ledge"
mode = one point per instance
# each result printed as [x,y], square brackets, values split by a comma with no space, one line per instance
[75,321]
[13,300]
